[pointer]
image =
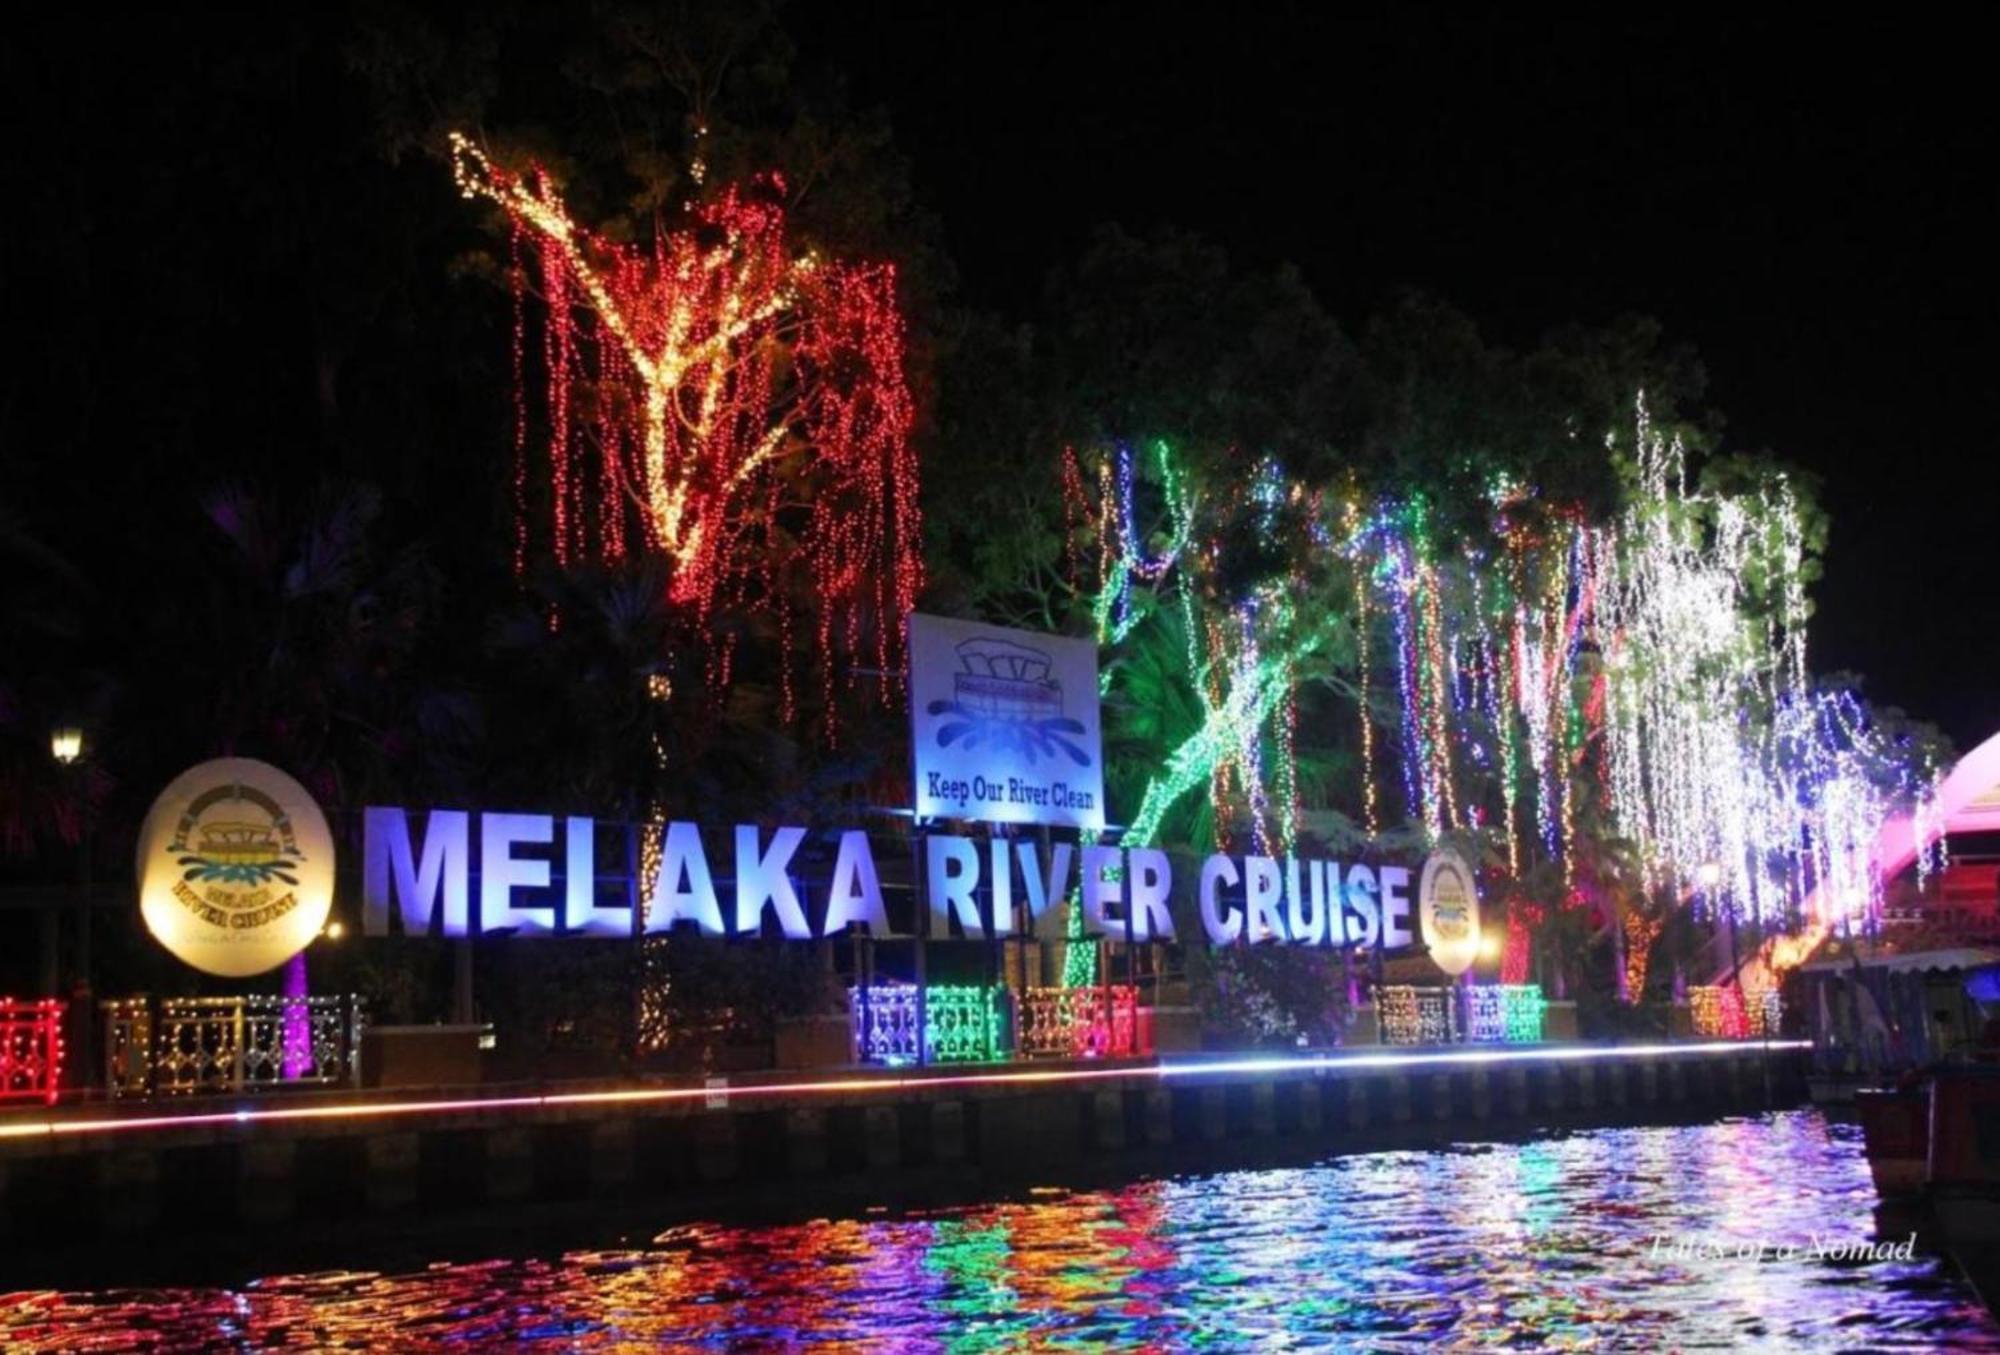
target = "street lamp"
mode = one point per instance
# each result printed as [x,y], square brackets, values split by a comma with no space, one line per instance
[66,747]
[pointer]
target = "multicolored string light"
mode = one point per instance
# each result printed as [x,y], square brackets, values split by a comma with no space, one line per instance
[1654,664]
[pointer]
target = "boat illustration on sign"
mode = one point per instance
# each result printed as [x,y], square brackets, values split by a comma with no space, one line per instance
[1452,912]
[240,850]
[1004,698]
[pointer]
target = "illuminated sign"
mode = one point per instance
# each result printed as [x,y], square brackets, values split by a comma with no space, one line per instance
[1449,905]
[235,868]
[1004,725]
[466,873]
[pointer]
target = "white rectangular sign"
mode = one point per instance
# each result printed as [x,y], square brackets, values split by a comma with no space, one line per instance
[1004,724]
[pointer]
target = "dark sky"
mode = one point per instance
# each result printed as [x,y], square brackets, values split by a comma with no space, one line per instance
[1812,206]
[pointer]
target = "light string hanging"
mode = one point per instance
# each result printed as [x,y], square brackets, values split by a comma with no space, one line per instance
[1653,665]
[723,401]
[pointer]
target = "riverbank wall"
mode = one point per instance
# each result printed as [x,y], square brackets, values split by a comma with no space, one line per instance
[77,1176]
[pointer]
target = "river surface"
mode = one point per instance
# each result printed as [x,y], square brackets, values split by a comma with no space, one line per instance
[1634,1238]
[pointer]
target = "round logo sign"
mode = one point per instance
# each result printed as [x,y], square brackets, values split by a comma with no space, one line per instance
[1449,906]
[235,868]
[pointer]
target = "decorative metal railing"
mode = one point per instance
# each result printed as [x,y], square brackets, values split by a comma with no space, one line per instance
[128,1046]
[31,1049]
[961,1023]
[1485,1014]
[1412,1015]
[1770,1011]
[186,1046]
[884,1019]
[1725,1011]
[1071,1023]
[1522,1011]
[1510,1012]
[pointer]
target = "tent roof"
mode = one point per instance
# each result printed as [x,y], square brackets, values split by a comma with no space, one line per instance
[1902,962]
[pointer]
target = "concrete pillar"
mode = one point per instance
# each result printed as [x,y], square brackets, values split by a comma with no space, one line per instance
[1440,1096]
[714,1134]
[1649,1082]
[128,1189]
[1263,1109]
[1107,1120]
[1482,1094]
[1586,1086]
[510,1164]
[1356,1091]
[1399,1098]
[805,1141]
[266,1180]
[1213,1110]
[1019,1134]
[1617,1074]
[948,1131]
[881,1137]
[1310,1114]
[613,1164]
[1550,1075]
[1158,1116]
[1517,1090]
[391,1171]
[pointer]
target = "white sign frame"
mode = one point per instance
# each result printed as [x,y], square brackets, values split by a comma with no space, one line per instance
[1004,725]
[1450,919]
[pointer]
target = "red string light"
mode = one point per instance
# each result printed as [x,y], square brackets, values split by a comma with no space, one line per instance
[31,1049]
[745,405]
[1523,916]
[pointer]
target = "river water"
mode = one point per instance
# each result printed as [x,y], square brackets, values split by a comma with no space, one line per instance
[1638,1238]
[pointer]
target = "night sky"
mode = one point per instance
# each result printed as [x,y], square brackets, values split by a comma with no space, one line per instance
[1813,210]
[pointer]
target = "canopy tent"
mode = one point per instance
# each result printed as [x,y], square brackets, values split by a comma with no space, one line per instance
[1966,958]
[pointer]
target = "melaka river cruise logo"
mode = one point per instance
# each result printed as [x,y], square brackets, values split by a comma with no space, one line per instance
[254,846]
[235,867]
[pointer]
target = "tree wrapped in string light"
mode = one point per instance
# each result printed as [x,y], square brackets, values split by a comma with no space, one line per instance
[1617,707]
[721,400]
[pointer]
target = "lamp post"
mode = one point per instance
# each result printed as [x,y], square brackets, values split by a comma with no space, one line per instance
[66,747]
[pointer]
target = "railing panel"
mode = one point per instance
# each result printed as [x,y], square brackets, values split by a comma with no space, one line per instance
[1411,1015]
[190,1046]
[1071,1023]
[961,1023]
[31,1049]
[1726,1011]
[1523,1009]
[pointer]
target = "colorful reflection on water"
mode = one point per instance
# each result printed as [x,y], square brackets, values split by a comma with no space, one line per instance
[1552,1243]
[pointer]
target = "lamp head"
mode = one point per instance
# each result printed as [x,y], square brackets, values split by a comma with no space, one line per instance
[66,743]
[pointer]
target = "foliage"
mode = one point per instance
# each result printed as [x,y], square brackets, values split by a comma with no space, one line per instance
[304,554]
